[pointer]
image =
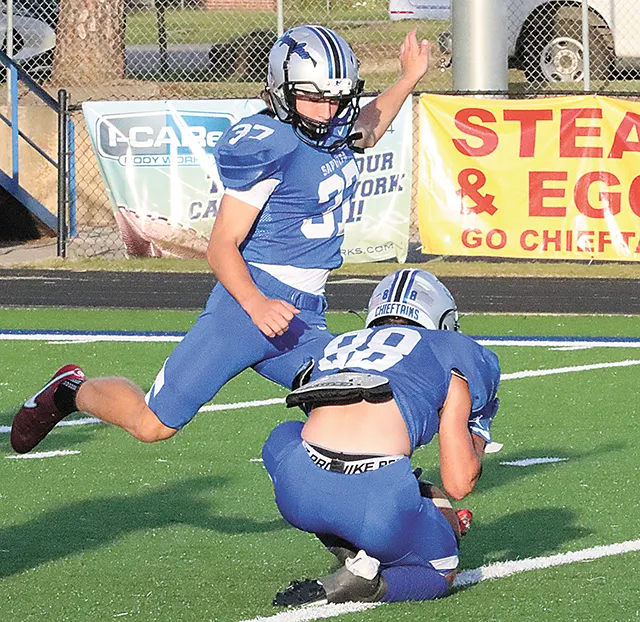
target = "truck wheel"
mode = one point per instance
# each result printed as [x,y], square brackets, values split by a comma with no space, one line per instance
[555,53]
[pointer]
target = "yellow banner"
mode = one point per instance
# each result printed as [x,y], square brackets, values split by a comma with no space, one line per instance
[542,179]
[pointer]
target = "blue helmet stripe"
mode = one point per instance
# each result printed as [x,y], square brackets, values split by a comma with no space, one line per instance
[338,52]
[393,284]
[407,290]
[325,45]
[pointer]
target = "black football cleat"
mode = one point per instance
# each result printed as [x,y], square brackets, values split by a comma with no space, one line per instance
[341,586]
[300,593]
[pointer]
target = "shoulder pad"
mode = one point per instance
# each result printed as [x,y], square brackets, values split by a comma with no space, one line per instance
[252,150]
[342,388]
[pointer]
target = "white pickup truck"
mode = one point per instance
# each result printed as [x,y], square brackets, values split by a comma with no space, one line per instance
[544,37]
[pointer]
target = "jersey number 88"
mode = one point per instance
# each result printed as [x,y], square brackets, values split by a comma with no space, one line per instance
[366,349]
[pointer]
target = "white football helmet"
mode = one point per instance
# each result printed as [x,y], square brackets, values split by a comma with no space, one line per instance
[316,61]
[414,295]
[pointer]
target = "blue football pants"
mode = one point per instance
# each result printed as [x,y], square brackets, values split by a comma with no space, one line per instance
[224,342]
[381,512]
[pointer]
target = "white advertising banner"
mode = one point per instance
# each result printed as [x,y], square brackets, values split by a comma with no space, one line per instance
[156,160]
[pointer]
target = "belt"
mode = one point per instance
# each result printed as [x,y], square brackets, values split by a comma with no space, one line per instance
[349,464]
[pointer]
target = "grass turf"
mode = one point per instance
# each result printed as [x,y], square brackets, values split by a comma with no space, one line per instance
[187,529]
[441,267]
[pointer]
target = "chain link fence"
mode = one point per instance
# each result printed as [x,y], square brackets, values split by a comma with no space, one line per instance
[546,43]
[193,49]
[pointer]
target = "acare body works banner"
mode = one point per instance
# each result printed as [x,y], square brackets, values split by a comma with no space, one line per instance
[547,179]
[156,159]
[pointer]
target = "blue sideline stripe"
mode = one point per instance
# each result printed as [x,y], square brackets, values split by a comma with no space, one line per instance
[92,333]
[559,339]
[155,333]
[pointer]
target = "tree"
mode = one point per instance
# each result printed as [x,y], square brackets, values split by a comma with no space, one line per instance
[89,42]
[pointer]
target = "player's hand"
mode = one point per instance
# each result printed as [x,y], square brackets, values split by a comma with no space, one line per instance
[272,316]
[414,56]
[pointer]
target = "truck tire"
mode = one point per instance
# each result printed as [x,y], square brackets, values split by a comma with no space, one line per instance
[552,48]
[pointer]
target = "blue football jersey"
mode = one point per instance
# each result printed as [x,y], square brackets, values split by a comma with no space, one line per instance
[418,364]
[301,224]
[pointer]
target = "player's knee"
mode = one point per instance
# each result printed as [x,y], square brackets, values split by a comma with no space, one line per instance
[149,428]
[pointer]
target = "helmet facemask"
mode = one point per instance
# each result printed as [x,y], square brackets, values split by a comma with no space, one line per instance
[332,134]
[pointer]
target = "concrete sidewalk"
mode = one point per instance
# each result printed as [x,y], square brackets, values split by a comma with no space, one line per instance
[27,253]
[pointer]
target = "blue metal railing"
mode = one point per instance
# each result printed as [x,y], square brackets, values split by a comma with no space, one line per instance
[64,162]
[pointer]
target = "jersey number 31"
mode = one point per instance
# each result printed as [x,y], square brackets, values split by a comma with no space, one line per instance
[331,192]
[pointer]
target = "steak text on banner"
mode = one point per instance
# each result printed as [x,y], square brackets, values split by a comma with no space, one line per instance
[547,179]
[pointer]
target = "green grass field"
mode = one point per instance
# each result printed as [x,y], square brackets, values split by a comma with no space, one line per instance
[187,529]
[201,26]
[365,24]
[441,267]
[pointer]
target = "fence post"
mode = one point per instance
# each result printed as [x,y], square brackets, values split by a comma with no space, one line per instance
[479,29]
[63,143]
[162,37]
[586,52]
[280,16]
[73,230]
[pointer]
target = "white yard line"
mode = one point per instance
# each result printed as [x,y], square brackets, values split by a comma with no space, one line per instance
[280,400]
[495,448]
[5,429]
[533,461]
[498,570]
[59,337]
[317,612]
[236,405]
[530,373]
[43,454]
[560,344]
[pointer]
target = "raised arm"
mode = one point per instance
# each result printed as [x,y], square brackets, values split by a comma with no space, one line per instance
[233,223]
[376,117]
[460,451]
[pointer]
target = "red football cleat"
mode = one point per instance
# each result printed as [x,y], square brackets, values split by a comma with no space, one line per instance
[464,518]
[39,414]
